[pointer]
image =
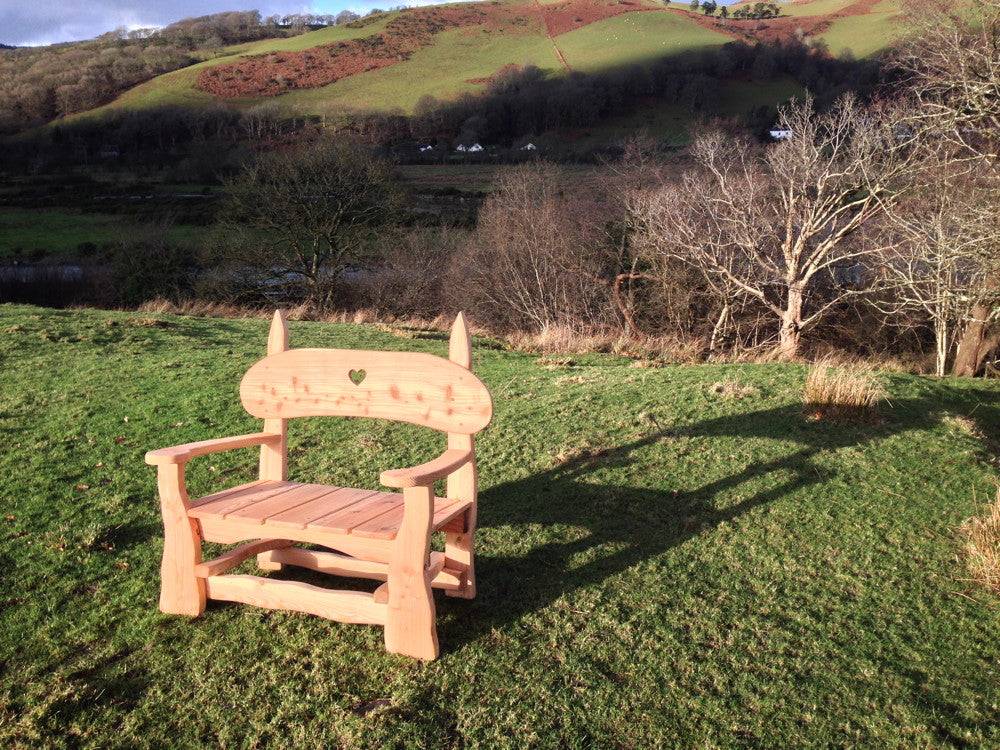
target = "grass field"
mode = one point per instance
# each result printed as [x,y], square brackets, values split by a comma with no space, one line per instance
[634,38]
[659,566]
[867,35]
[58,231]
[445,69]
[812,8]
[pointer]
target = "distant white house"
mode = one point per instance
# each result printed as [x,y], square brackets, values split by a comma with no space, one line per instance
[475,147]
[529,147]
[781,135]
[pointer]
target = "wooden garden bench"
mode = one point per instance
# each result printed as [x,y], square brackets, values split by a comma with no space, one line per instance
[383,536]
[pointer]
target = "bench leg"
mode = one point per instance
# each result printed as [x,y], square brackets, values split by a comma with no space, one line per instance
[265,563]
[181,591]
[460,552]
[410,627]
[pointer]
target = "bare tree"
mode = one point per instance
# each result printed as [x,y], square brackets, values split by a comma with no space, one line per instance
[295,221]
[952,66]
[529,264]
[936,256]
[771,224]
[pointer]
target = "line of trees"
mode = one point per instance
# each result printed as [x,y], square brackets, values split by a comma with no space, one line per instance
[171,142]
[857,231]
[757,11]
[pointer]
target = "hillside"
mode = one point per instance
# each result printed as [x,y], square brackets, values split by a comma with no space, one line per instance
[38,84]
[389,62]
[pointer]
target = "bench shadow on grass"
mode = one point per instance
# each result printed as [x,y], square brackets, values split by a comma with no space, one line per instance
[618,527]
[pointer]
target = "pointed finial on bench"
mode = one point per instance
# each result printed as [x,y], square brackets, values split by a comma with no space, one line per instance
[460,345]
[277,338]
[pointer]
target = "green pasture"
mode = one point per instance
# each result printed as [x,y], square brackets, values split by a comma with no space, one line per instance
[658,565]
[634,38]
[58,231]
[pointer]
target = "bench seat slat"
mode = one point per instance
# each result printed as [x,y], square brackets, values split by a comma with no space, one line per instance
[317,507]
[291,499]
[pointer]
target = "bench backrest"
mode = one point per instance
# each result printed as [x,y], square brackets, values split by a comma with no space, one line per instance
[405,386]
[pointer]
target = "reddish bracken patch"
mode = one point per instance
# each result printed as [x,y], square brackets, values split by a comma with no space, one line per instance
[277,72]
[785,28]
[575,14]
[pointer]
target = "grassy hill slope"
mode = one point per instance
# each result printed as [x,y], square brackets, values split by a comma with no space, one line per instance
[659,565]
[586,35]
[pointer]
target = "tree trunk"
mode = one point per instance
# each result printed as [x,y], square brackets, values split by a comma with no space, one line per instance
[719,326]
[940,346]
[791,325]
[624,308]
[973,347]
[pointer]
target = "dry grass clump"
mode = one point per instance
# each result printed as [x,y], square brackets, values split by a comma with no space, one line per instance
[567,380]
[965,425]
[731,389]
[550,362]
[560,340]
[203,309]
[566,340]
[981,547]
[842,391]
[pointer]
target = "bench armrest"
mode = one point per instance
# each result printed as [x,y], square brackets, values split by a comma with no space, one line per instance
[427,473]
[179,454]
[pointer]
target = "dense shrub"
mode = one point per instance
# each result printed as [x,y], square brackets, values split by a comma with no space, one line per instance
[533,260]
[147,267]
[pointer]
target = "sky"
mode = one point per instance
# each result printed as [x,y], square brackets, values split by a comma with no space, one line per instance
[30,23]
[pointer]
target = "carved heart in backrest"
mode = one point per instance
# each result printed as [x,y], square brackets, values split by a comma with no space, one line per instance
[413,387]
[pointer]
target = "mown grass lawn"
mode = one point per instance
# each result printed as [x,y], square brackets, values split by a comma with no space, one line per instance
[658,565]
